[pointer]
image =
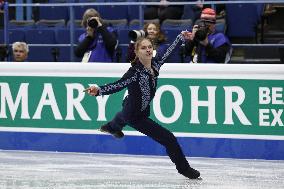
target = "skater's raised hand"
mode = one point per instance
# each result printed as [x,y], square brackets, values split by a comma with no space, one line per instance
[93,90]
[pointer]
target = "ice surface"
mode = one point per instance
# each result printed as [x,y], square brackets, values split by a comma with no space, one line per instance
[19,169]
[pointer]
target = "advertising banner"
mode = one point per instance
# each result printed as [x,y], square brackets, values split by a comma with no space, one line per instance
[196,102]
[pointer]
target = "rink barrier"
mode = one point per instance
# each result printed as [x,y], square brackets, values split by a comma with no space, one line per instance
[220,111]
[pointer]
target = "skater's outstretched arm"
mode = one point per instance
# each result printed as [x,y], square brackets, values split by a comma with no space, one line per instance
[111,88]
[161,58]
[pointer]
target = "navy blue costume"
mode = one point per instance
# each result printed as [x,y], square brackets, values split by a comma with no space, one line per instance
[141,85]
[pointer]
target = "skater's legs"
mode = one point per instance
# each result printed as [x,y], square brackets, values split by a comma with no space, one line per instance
[165,138]
[118,122]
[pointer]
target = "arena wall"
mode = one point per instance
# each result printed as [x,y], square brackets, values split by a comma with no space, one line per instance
[220,111]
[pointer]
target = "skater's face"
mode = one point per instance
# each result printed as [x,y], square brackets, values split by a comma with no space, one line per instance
[144,51]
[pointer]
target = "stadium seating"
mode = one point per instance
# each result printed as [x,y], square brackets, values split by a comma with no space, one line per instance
[53,13]
[43,23]
[14,24]
[40,54]
[177,24]
[220,25]
[14,35]
[135,24]
[79,11]
[117,24]
[244,24]
[40,36]
[53,26]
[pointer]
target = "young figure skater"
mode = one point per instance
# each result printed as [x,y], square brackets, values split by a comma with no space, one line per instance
[141,82]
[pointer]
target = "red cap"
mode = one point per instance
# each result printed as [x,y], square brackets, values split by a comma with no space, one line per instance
[208,14]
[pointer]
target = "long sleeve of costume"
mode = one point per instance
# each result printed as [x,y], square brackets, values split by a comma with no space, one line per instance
[161,58]
[119,85]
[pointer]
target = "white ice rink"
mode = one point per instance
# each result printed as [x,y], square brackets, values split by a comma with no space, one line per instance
[74,170]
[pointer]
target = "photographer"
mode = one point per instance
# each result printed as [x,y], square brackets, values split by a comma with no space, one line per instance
[163,11]
[203,44]
[152,31]
[99,41]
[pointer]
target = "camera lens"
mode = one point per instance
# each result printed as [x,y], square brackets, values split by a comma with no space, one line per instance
[92,23]
[200,35]
[135,34]
[132,35]
[202,31]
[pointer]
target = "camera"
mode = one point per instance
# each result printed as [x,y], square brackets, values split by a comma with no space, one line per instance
[135,34]
[92,22]
[202,31]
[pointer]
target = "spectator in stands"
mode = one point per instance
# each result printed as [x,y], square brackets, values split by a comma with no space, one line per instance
[20,51]
[99,41]
[157,37]
[164,11]
[204,44]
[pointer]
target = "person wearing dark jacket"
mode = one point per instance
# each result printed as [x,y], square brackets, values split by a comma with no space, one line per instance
[99,41]
[141,82]
[164,11]
[204,44]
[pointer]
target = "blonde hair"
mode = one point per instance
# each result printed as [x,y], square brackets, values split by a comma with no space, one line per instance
[88,14]
[20,45]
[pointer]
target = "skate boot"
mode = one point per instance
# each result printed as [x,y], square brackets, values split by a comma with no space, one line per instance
[107,129]
[191,173]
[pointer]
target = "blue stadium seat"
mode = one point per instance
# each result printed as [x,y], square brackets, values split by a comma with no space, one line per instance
[79,11]
[113,12]
[191,12]
[133,12]
[40,54]
[52,24]
[177,24]
[62,36]
[123,36]
[220,25]
[21,24]
[53,13]
[77,23]
[40,36]
[117,24]
[242,20]
[64,54]
[135,24]
[14,35]
[171,34]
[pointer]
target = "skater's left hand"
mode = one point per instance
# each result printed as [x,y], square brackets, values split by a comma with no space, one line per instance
[93,90]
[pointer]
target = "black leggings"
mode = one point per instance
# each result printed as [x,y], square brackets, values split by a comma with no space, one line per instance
[158,133]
